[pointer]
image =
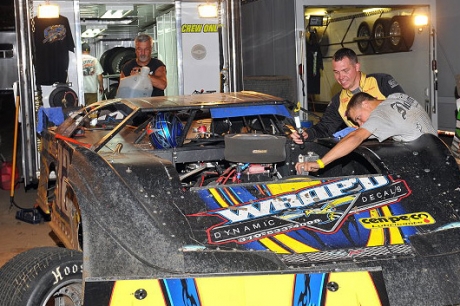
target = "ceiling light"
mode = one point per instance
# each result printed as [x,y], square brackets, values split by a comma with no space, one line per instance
[92,32]
[105,21]
[117,11]
[421,20]
[208,10]
[48,10]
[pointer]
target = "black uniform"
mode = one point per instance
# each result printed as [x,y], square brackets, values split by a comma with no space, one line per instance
[154,64]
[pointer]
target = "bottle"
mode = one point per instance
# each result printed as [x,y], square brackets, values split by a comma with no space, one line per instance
[136,86]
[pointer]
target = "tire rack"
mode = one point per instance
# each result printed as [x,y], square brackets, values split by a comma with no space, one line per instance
[375,46]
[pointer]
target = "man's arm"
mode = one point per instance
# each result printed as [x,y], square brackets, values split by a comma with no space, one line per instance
[159,79]
[330,122]
[101,83]
[342,148]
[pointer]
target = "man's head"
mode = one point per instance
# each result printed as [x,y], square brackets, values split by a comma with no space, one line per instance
[360,107]
[143,44]
[85,48]
[346,68]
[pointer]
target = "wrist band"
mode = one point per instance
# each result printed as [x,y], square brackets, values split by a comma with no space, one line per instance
[320,163]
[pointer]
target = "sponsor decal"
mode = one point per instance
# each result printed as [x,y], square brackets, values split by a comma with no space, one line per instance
[413,219]
[200,28]
[322,208]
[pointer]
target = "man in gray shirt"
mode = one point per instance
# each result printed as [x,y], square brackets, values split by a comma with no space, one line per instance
[399,116]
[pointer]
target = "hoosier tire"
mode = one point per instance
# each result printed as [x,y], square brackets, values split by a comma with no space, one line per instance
[42,276]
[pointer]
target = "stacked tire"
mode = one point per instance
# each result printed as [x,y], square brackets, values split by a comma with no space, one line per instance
[395,34]
[401,33]
[112,60]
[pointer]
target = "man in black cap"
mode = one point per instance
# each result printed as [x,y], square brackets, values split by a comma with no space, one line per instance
[92,75]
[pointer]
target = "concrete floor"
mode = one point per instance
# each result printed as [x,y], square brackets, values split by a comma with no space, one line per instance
[16,236]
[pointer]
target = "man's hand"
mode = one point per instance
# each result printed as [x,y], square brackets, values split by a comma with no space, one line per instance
[296,137]
[307,167]
[135,70]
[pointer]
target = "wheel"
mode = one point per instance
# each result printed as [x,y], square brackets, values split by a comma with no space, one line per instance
[364,35]
[111,92]
[106,60]
[401,33]
[43,276]
[63,96]
[380,33]
[121,57]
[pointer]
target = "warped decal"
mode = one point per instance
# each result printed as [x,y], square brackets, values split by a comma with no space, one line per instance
[297,217]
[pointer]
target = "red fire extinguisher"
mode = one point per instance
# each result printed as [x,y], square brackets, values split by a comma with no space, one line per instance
[6,173]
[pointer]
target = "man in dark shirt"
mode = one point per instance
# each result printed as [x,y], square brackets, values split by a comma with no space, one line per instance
[143,44]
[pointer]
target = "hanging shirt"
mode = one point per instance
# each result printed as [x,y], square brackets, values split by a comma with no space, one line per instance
[52,42]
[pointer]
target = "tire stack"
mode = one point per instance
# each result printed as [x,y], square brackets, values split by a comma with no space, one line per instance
[112,62]
[388,34]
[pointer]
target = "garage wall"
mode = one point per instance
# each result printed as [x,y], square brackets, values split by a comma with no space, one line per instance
[448,54]
[268,39]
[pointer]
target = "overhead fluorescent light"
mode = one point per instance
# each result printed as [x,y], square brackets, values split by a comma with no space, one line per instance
[115,13]
[208,10]
[48,10]
[373,10]
[100,21]
[92,32]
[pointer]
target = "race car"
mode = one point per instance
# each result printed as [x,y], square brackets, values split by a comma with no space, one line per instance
[194,200]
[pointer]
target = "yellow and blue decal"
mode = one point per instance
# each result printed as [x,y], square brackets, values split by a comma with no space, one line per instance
[310,289]
[294,217]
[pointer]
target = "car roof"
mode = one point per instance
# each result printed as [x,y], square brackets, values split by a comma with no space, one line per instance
[221,105]
[207,100]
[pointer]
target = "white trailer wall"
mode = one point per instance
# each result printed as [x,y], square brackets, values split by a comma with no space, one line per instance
[200,50]
[411,69]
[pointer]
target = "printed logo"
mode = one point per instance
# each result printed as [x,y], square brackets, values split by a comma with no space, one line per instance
[54,33]
[414,219]
[322,208]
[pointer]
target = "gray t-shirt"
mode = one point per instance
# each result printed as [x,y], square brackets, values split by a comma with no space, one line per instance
[399,117]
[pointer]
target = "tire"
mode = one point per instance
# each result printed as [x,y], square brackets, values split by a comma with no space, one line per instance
[111,92]
[106,60]
[43,276]
[121,57]
[402,33]
[364,36]
[63,96]
[380,33]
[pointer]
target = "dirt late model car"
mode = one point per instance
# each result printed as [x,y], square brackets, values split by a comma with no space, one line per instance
[194,200]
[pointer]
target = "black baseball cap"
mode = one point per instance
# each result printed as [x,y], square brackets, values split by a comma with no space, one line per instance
[85,47]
